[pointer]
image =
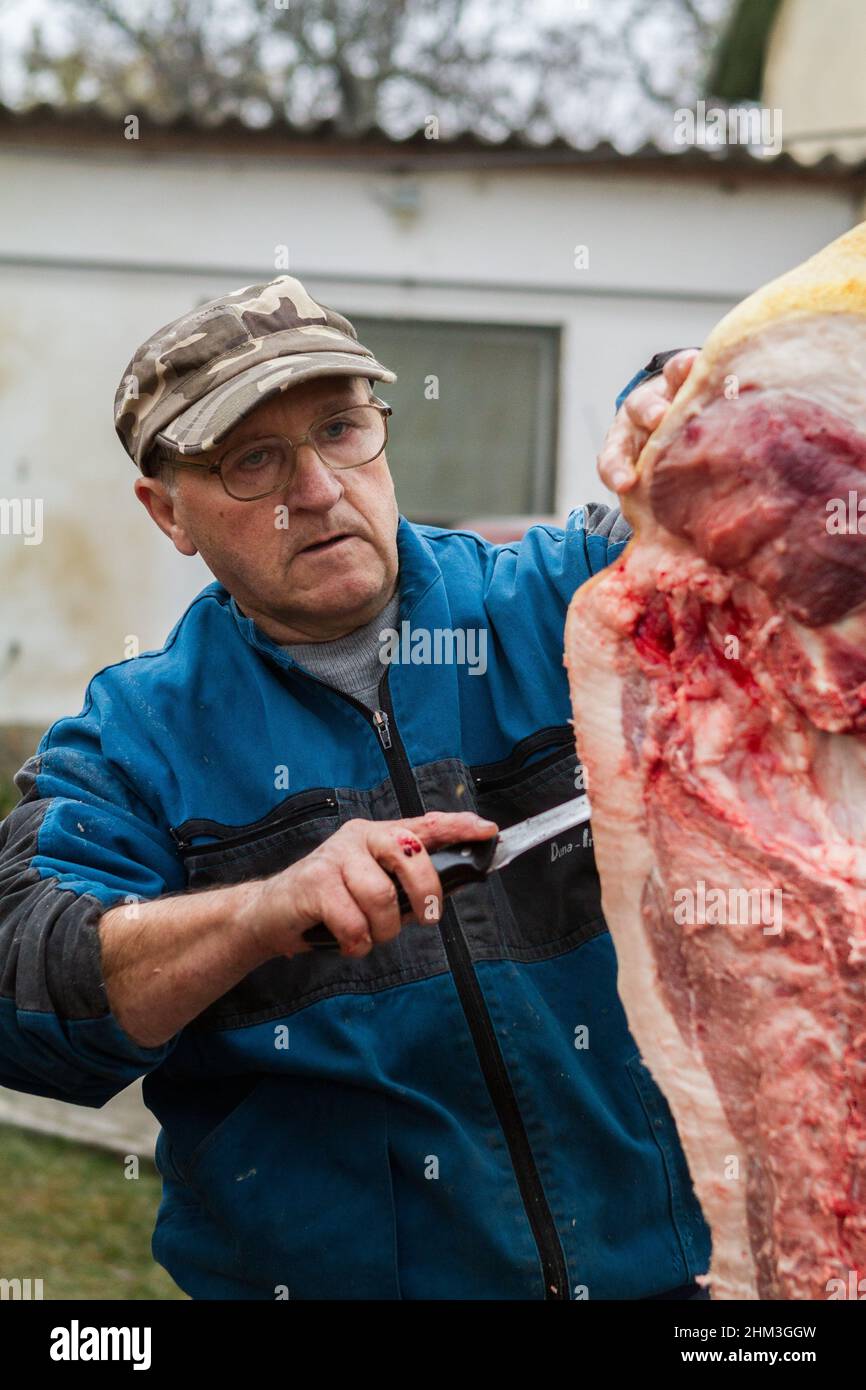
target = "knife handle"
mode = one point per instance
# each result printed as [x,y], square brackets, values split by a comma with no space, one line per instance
[456,865]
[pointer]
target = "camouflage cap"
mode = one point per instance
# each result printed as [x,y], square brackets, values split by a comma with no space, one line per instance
[196,377]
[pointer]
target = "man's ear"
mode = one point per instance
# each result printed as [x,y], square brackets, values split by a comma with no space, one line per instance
[160,505]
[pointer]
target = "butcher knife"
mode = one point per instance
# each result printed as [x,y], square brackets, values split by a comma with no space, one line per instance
[473,860]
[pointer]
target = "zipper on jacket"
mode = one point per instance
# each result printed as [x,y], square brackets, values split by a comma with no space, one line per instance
[381,724]
[195,828]
[491,1061]
[560,738]
[483,1034]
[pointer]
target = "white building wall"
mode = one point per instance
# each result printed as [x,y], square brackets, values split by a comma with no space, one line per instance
[97,251]
[814,76]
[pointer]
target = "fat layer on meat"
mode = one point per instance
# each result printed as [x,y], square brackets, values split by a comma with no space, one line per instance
[718,681]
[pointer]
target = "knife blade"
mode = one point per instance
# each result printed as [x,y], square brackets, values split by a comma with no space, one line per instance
[472,860]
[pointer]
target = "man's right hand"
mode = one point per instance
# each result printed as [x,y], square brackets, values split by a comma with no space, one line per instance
[640,414]
[345,883]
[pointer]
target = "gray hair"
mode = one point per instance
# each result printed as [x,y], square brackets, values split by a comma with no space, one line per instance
[159,463]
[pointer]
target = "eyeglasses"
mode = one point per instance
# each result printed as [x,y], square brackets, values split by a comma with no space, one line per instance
[347,439]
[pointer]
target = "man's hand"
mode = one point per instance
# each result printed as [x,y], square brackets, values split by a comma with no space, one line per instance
[345,883]
[641,412]
[167,960]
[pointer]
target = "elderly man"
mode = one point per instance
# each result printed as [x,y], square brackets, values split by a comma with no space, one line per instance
[449,1105]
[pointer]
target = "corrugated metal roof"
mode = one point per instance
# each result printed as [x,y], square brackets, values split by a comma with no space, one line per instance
[91,125]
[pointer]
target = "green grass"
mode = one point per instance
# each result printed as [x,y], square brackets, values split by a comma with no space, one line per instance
[68,1216]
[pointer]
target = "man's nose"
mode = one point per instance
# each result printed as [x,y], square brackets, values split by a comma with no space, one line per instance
[313,486]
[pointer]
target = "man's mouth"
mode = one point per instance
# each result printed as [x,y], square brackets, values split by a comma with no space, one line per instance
[329,543]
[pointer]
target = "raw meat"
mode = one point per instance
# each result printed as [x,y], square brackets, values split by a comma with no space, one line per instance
[718,681]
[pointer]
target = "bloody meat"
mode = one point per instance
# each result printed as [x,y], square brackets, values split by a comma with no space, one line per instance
[718,680]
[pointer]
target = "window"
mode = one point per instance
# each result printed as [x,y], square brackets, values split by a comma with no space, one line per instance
[486,446]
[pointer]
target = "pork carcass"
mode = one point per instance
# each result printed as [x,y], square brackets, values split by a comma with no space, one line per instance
[718,682]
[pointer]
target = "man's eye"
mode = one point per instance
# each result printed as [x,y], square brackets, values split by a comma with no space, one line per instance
[256,458]
[337,429]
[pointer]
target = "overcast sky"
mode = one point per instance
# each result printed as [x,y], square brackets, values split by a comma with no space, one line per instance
[624,117]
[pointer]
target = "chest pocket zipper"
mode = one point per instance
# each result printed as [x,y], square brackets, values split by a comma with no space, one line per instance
[235,837]
[495,777]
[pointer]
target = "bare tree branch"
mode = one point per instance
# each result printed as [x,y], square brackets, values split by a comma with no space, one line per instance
[475,63]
